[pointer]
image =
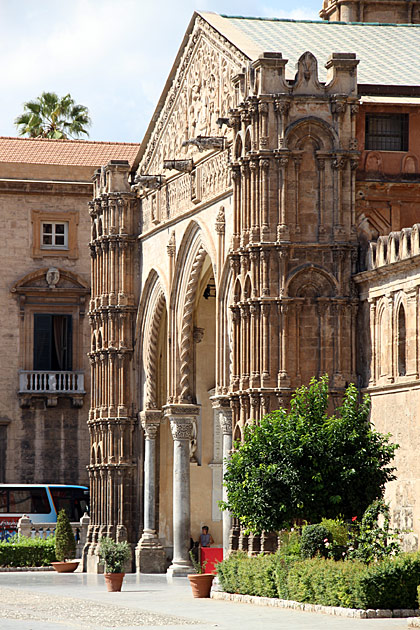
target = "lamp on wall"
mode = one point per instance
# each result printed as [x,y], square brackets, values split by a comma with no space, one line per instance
[210,290]
[206,142]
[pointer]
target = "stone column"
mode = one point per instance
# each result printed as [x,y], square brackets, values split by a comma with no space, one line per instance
[221,404]
[225,419]
[150,555]
[182,418]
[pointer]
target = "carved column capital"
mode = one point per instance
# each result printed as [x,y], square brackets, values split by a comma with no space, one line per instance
[222,405]
[182,419]
[150,421]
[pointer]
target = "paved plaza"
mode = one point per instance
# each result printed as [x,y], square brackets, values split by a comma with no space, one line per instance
[48,601]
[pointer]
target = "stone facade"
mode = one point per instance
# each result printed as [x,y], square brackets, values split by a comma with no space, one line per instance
[45,186]
[254,204]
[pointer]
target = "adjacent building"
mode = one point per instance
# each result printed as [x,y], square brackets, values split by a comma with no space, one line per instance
[45,187]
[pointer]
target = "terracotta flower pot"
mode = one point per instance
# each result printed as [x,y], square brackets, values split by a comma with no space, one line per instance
[114,581]
[201,584]
[65,567]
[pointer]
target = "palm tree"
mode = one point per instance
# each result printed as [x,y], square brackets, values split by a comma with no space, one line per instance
[50,116]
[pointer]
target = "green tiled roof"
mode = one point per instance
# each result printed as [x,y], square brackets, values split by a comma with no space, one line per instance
[389,53]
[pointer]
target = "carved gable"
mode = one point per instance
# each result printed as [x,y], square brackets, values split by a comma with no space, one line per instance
[201,92]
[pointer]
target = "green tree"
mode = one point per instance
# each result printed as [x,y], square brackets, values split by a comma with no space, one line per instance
[50,116]
[305,464]
[65,543]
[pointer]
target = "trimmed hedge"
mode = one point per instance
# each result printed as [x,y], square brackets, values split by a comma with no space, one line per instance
[20,551]
[391,583]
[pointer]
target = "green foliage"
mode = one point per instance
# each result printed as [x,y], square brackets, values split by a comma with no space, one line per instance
[50,116]
[289,544]
[339,537]
[371,541]
[256,576]
[390,583]
[325,582]
[338,529]
[20,551]
[114,555]
[65,543]
[315,541]
[304,464]
[198,566]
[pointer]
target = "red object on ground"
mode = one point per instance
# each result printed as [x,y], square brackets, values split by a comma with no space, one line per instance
[212,555]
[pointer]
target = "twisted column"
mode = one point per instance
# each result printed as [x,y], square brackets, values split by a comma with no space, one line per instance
[187,324]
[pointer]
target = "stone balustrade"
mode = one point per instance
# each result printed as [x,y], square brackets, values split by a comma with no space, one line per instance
[26,528]
[34,381]
[394,247]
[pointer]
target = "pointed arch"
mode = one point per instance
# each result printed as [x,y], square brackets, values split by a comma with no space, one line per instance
[401,340]
[238,147]
[248,141]
[195,247]
[247,287]
[227,295]
[152,313]
[382,341]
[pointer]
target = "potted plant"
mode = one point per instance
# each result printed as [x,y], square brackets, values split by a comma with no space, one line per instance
[200,581]
[114,556]
[65,545]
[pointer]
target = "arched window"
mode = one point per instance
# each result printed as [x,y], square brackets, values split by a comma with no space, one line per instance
[402,345]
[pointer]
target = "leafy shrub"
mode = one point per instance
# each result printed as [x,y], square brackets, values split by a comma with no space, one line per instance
[370,541]
[65,542]
[313,541]
[391,583]
[338,529]
[339,535]
[114,555]
[325,582]
[289,544]
[250,576]
[20,551]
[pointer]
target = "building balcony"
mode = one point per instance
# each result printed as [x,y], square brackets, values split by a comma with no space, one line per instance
[50,386]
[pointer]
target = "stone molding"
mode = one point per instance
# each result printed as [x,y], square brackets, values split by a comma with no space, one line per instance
[150,421]
[182,419]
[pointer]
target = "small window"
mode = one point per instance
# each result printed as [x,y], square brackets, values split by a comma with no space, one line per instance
[386,132]
[54,235]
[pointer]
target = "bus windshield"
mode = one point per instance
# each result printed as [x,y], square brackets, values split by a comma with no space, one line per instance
[75,501]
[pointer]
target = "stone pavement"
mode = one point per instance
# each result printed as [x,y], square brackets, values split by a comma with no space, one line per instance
[49,601]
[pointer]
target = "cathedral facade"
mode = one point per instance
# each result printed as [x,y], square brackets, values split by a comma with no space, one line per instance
[251,250]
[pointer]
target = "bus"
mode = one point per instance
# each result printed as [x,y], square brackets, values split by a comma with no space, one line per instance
[41,502]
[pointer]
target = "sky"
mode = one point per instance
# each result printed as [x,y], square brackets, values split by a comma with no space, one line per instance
[112,56]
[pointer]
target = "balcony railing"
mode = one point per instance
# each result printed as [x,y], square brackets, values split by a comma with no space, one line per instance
[31,382]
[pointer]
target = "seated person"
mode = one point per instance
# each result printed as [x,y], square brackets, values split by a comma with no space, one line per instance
[206,539]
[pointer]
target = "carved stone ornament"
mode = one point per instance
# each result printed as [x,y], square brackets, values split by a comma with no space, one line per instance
[198,334]
[220,221]
[225,419]
[150,430]
[171,246]
[182,428]
[52,277]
